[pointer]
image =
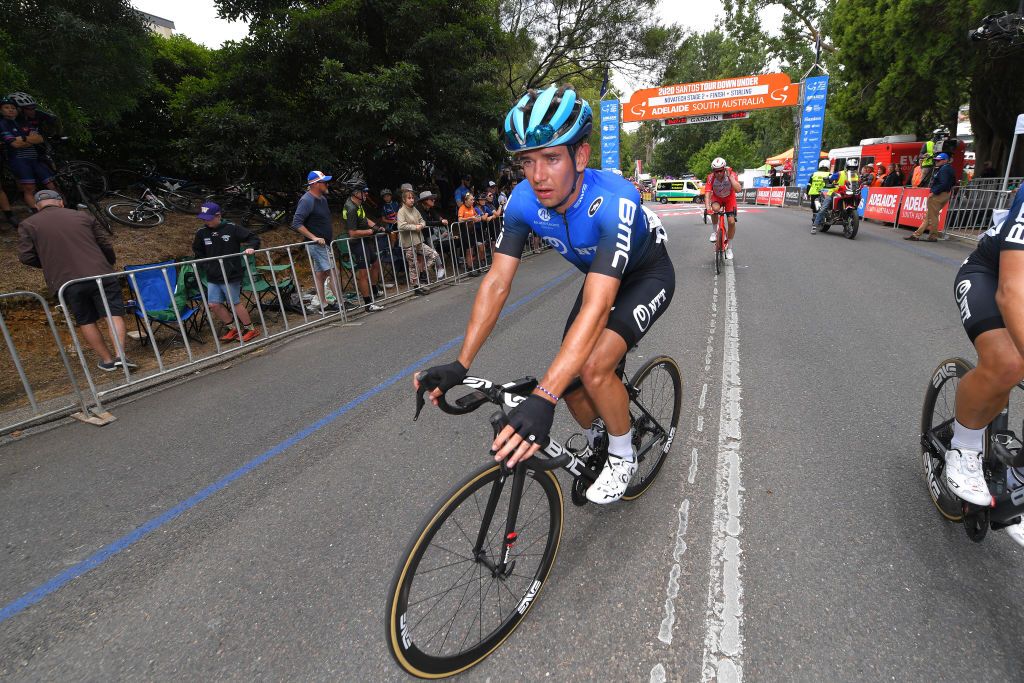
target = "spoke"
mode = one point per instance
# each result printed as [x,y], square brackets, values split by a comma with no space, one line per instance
[445,591]
[451,622]
[449,551]
[421,572]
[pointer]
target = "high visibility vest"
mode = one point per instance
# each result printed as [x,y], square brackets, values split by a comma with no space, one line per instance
[818,180]
[848,178]
[928,157]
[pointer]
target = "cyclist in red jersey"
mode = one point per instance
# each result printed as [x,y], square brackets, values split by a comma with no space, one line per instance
[720,190]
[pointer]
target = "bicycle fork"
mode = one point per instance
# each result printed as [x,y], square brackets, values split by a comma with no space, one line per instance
[504,566]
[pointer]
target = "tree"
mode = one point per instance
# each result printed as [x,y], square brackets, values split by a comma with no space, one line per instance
[547,39]
[87,62]
[391,93]
[734,146]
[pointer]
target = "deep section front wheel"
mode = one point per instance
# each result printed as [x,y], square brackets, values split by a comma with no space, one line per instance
[659,393]
[937,416]
[448,609]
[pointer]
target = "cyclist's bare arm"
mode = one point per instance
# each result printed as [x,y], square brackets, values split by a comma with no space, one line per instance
[735,181]
[490,299]
[1010,295]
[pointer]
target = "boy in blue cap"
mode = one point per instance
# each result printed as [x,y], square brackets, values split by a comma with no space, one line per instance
[220,237]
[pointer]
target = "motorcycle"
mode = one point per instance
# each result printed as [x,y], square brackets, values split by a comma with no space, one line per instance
[843,211]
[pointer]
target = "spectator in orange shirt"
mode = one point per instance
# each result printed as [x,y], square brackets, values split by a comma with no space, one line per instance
[468,220]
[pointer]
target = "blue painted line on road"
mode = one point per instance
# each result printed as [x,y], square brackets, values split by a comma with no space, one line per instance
[99,557]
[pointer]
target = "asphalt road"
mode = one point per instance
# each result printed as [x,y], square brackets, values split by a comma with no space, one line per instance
[789,537]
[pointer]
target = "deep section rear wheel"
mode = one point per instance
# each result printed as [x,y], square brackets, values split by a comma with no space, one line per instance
[937,416]
[447,610]
[659,390]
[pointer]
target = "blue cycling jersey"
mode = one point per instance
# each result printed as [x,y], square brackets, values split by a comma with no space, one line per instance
[1007,236]
[605,231]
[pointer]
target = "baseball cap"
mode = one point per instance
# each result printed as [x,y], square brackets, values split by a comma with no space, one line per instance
[208,211]
[942,156]
[491,183]
[317,177]
[47,194]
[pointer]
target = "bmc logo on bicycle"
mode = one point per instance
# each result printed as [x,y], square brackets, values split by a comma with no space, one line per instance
[530,595]
[403,626]
[946,371]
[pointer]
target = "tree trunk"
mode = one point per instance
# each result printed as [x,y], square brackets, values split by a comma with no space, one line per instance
[997,98]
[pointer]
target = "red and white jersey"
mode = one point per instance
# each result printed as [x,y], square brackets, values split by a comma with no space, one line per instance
[721,187]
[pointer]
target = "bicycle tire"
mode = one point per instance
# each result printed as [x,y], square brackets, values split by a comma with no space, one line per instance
[181,201]
[941,385]
[135,215]
[92,179]
[97,214]
[644,477]
[404,642]
[718,256]
[851,224]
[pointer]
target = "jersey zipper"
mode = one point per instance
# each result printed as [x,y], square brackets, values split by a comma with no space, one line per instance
[568,240]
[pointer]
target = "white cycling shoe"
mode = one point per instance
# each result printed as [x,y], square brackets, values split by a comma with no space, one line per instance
[713,236]
[728,253]
[1016,532]
[965,478]
[614,479]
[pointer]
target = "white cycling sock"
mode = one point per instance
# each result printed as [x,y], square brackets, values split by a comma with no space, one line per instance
[621,446]
[969,439]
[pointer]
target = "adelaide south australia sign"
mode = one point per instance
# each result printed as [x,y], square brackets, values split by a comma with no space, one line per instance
[712,97]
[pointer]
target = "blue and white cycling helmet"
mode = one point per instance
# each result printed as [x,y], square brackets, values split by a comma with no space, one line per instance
[547,118]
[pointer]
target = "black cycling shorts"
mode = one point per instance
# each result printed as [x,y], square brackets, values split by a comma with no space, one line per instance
[975,294]
[86,304]
[643,296]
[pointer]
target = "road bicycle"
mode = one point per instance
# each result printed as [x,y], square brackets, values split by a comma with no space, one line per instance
[721,240]
[91,180]
[1002,453]
[474,570]
[148,211]
[72,181]
[179,194]
[254,209]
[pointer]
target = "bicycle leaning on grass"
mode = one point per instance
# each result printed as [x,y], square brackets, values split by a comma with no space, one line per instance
[473,571]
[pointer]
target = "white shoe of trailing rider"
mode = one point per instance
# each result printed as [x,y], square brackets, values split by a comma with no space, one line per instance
[713,236]
[612,482]
[814,229]
[965,478]
[728,254]
[1016,532]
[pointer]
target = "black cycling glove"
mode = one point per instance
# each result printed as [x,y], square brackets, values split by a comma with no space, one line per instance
[532,419]
[443,377]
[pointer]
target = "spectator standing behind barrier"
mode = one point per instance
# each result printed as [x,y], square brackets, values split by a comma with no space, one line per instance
[312,220]
[363,247]
[916,175]
[20,140]
[220,237]
[943,180]
[468,222]
[867,178]
[462,189]
[389,209]
[411,225]
[69,245]
[894,178]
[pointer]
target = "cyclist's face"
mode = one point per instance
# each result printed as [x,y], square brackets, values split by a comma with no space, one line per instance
[551,171]
[9,111]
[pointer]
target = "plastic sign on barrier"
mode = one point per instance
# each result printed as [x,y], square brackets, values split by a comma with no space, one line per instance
[712,97]
[883,204]
[914,208]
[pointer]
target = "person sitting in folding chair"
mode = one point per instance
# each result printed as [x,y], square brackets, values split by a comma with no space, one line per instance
[220,237]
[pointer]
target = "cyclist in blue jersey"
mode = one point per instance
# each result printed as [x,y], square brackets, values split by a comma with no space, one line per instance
[989,292]
[595,221]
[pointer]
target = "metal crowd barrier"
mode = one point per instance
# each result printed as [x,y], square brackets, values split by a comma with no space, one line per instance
[39,409]
[969,213]
[175,328]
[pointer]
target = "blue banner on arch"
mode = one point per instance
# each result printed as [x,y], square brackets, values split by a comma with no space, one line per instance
[609,135]
[812,124]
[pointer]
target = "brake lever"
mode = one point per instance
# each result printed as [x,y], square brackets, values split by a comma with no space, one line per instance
[420,401]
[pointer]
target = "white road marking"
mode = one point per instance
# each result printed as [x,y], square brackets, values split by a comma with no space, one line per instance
[693,467]
[672,589]
[658,673]
[703,396]
[700,423]
[723,640]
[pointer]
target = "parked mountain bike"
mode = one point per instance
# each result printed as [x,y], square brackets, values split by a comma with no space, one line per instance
[72,181]
[148,211]
[1002,452]
[473,571]
[91,180]
[721,239]
[179,194]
